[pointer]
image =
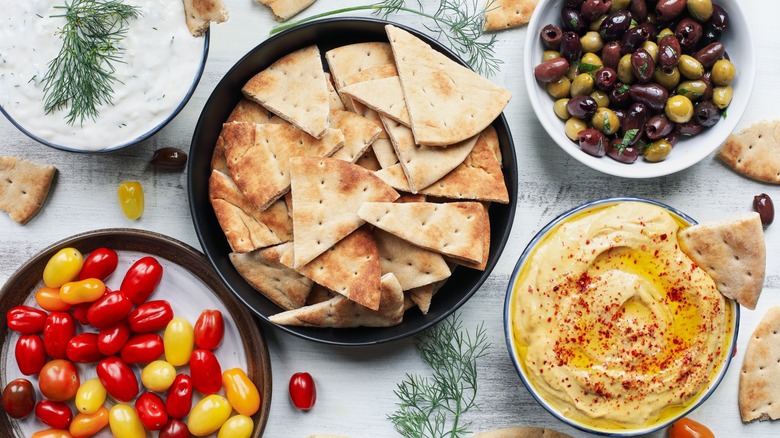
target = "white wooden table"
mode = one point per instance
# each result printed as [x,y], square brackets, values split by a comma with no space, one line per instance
[355,386]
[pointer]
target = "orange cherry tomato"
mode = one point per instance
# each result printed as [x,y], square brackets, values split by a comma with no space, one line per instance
[131,199]
[85,425]
[687,428]
[82,291]
[49,299]
[52,433]
[241,392]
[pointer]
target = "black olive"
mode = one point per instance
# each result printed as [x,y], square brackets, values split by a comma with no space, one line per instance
[765,207]
[173,158]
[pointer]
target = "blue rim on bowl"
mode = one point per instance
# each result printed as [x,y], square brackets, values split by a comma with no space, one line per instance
[700,398]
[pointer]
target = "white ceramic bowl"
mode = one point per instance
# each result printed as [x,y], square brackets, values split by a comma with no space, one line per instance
[738,42]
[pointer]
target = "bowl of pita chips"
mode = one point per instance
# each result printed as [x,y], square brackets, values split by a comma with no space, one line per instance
[352,181]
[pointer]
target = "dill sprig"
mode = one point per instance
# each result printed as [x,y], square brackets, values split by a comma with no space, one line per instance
[82,74]
[433,407]
[459,23]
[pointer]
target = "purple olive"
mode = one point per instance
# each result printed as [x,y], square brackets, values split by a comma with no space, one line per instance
[650,94]
[710,54]
[706,113]
[765,208]
[593,142]
[690,128]
[605,78]
[572,20]
[551,70]
[582,107]
[619,96]
[658,127]
[709,35]
[633,39]
[625,155]
[669,52]
[673,138]
[611,53]
[635,119]
[593,9]
[615,25]
[571,46]
[576,4]
[551,37]
[620,113]
[720,18]
[638,9]
[688,33]
[668,10]
[642,65]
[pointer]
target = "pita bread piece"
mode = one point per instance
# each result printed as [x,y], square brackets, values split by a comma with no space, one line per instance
[455,229]
[505,14]
[521,432]
[732,252]
[200,13]
[283,10]
[412,266]
[759,383]
[755,151]
[447,103]
[345,61]
[359,134]
[326,195]
[280,284]
[252,112]
[333,95]
[481,266]
[24,186]
[384,96]
[367,74]
[294,88]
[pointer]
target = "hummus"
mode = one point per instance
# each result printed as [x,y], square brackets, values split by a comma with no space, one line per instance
[614,325]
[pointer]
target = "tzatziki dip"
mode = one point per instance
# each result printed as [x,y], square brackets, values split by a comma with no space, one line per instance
[159,66]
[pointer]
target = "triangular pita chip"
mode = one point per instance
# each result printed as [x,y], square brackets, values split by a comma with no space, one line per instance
[733,253]
[283,10]
[280,284]
[345,61]
[385,153]
[521,432]
[335,102]
[359,134]
[367,74]
[24,186]
[413,266]
[252,112]
[505,14]
[381,95]
[421,297]
[759,382]
[755,151]
[481,266]
[447,103]
[200,13]
[294,88]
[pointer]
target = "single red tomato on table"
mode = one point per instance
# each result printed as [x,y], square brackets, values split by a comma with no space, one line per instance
[30,354]
[25,319]
[687,428]
[58,330]
[59,380]
[209,329]
[142,279]
[18,398]
[109,310]
[303,393]
[99,264]
[54,414]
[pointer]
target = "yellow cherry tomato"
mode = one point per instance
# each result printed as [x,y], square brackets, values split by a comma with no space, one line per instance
[158,375]
[237,426]
[90,396]
[62,267]
[131,199]
[83,291]
[124,422]
[52,433]
[49,299]
[241,392]
[84,425]
[208,415]
[178,340]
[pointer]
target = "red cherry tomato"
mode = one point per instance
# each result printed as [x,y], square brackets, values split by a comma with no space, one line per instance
[206,372]
[151,411]
[209,329]
[80,311]
[141,279]
[178,399]
[59,380]
[150,316]
[25,319]
[83,348]
[175,429]
[111,340]
[303,393]
[99,264]
[142,348]
[109,309]
[30,354]
[54,414]
[18,398]
[60,327]
[687,428]
[118,379]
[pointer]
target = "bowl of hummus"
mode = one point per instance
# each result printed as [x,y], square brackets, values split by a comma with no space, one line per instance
[611,326]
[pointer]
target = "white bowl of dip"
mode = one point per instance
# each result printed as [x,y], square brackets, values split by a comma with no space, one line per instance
[160,66]
[604,314]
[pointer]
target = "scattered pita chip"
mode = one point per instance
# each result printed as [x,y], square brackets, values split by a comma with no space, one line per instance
[294,88]
[359,133]
[369,161]
[335,100]
[521,432]
[252,112]
[455,229]
[759,383]
[381,95]
[447,103]
[732,252]
[326,194]
[345,61]
[283,10]
[412,266]
[200,13]
[280,284]
[505,14]
[24,186]
[755,151]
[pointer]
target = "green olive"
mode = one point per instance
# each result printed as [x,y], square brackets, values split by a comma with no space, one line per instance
[651,48]
[560,108]
[574,70]
[573,126]
[582,84]
[721,96]
[595,25]
[679,109]
[550,54]
[657,150]
[664,32]
[690,67]
[624,72]
[693,90]
[700,9]
[619,5]
[559,88]
[591,42]
[601,97]
[606,121]
[667,79]
[723,72]
[592,61]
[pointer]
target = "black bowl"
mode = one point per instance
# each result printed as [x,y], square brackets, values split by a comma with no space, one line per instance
[328,34]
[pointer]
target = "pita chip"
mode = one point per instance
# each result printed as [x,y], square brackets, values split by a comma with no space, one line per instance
[294,88]
[505,14]
[412,266]
[421,297]
[447,102]
[521,432]
[755,151]
[280,284]
[283,10]
[385,153]
[335,100]
[384,96]
[200,13]
[345,61]
[732,252]
[359,133]
[759,382]
[455,229]
[252,112]
[326,195]
[24,187]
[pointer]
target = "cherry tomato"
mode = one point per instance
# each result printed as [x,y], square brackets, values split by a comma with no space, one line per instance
[59,380]
[687,428]
[178,342]
[142,348]
[209,329]
[112,339]
[25,319]
[109,309]
[18,398]
[90,396]
[208,415]
[237,426]
[151,411]
[82,291]
[206,371]
[303,393]
[241,392]
[85,425]
[158,376]
[54,414]
[175,429]
[30,354]
[131,199]
[49,299]
[59,328]
[99,264]
[62,267]
[178,400]
[118,379]
[52,433]
[124,422]
[83,348]
[150,316]
[141,279]
[80,313]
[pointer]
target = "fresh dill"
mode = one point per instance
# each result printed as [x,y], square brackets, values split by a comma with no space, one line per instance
[82,74]
[459,23]
[434,407]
